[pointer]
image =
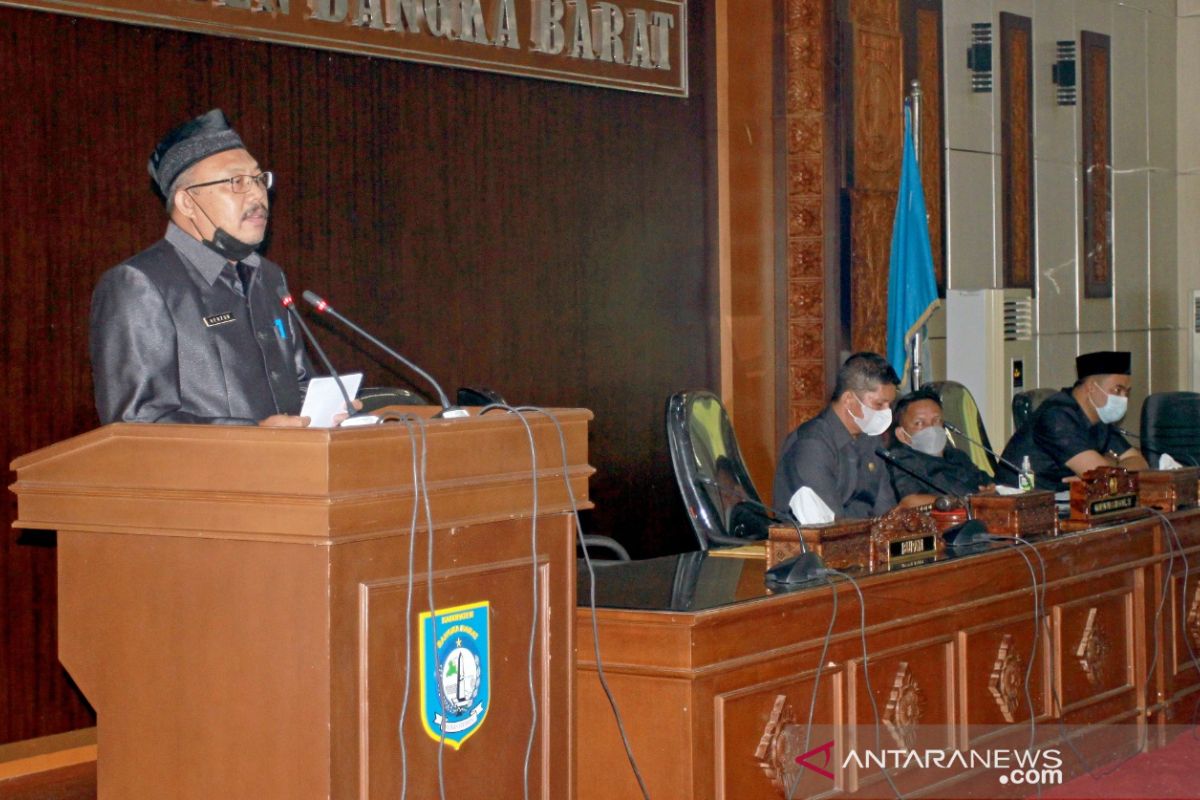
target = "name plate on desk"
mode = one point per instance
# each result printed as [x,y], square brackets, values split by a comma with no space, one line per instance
[1103,494]
[902,536]
[844,543]
[1025,514]
[1168,489]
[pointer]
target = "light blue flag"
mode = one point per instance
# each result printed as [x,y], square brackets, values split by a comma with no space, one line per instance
[912,290]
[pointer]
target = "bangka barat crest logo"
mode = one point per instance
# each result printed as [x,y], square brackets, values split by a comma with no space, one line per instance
[455,671]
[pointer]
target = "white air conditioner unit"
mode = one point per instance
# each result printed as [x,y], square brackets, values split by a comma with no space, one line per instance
[990,350]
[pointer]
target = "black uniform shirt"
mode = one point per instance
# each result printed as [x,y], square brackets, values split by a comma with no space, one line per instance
[953,471]
[175,339]
[1058,431]
[842,469]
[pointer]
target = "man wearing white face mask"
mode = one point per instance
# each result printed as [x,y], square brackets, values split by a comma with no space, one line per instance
[1074,431]
[920,446]
[834,452]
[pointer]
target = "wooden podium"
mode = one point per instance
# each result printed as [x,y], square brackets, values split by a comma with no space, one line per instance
[232,602]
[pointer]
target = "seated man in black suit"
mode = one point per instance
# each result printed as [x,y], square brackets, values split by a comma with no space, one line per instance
[1075,430]
[919,445]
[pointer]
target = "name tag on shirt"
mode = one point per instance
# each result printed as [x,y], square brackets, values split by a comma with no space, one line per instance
[218,319]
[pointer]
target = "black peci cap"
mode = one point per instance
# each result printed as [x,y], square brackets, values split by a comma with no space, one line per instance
[193,141]
[1102,362]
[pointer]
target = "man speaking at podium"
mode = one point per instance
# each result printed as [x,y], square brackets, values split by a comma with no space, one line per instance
[191,329]
[1075,430]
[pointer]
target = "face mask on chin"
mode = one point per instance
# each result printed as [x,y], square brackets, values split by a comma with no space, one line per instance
[931,441]
[224,243]
[1113,409]
[874,421]
[228,246]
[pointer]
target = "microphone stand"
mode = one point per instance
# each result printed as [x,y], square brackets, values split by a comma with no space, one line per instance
[288,302]
[323,307]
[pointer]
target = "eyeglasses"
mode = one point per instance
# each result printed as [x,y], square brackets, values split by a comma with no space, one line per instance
[240,184]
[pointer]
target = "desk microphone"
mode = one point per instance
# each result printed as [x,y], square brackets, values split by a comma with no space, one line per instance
[767,511]
[968,533]
[323,307]
[288,302]
[802,568]
[956,430]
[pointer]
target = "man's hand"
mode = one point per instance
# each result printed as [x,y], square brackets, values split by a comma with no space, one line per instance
[284,421]
[342,416]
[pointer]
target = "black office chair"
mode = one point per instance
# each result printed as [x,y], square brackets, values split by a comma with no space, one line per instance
[1171,424]
[960,410]
[722,503]
[1026,402]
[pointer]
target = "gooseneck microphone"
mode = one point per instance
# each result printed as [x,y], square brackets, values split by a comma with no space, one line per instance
[323,307]
[971,532]
[958,431]
[892,460]
[288,302]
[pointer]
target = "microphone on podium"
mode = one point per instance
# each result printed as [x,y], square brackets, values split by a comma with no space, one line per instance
[288,302]
[323,307]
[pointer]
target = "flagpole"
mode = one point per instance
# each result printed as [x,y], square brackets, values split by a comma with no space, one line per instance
[914,96]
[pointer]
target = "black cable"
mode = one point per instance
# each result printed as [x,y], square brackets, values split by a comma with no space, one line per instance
[862,630]
[408,598]
[812,705]
[1037,630]
[612,700]
[423,497]
[536,596]
[1089,770]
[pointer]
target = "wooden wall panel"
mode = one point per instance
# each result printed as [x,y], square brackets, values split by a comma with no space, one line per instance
[1016,150]
[550,241]
[810,211]
[874,72]
[921,27]
[1096,163]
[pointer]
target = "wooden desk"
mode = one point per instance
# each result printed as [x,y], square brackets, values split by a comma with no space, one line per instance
[699,656]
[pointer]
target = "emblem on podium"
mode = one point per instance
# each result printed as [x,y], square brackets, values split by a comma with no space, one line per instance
[455,675]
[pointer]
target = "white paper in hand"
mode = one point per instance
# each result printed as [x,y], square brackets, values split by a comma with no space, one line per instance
[324,400]
[1165,461]
[808,508]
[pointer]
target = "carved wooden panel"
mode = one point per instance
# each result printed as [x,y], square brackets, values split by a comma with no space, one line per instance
[921,26]
[1192,629]
[1016,149]
[876,111]
[1007,679]
[1095,656]
[870,248]
[874,93]
[914,693]
[806,49]
[1093,649]
[995,660]
[879,14]
[904,708]
[1096,163]
[763,729]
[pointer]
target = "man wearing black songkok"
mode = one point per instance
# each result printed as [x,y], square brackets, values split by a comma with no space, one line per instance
[191,329]
[1075,430]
